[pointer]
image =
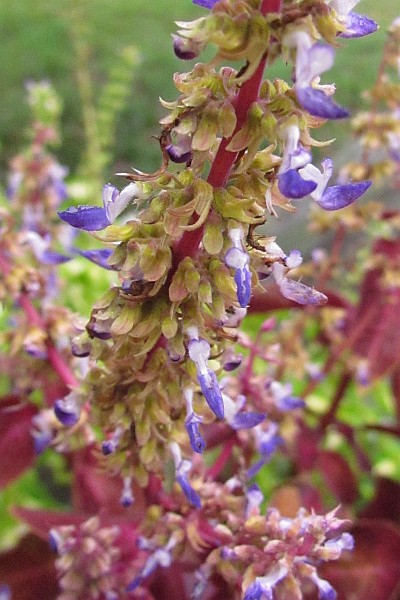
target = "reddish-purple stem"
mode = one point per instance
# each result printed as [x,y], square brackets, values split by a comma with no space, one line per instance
[219,464]
[34,318]
[221,167]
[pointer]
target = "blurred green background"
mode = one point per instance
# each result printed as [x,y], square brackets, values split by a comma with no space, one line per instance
[43,39]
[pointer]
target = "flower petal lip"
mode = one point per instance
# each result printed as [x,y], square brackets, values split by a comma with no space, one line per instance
[98,257]
[211,392]
[247,420]
[319,104]
[66,412]
[358,26]
[205,3]
[340,196]
[196,439]
[292,185]
[89,218]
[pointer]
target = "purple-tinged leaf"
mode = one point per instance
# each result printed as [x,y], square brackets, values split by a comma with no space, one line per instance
[89,218]
[292,185]
[319,104]
[358,26]
[98,257]
[340,196]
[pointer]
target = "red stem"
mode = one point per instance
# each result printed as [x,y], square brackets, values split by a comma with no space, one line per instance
[223,162]
[34,318]
[218,465]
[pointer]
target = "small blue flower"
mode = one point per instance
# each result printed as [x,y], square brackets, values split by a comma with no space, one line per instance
[98,257]
[41,249]
[67,410]
[268,440]
[95,218]
[313,59]
[160,558]
[182,468]
[238,259]
[192,427]
[127,497]
[262,587]
[199,352]
[205,3]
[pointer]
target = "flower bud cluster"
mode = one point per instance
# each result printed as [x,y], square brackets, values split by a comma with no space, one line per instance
[87,562]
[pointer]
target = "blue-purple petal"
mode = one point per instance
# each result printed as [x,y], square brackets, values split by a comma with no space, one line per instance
[197,442]
[292,185]
[205,3]
[358,26]
[49,257]
[340,196]
[68,414]
[98,257]
[319,104]
[243,283]
[189,492]
[89,218]
[247,420]
[211,392]
[290,403]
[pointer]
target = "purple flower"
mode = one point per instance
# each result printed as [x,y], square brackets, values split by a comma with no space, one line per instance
[358,26]
[192,427]
[313,59]
[181,150]
[95,218]
[238,259]
[67,410]
[127,498]
[268,440]
[231,360]
[282,394]
[40,248]
[262,587]
[205,3]
[98,257]
[290,182]
[325,590]
[199,352]
[182,468]
[160,558]
[185,49]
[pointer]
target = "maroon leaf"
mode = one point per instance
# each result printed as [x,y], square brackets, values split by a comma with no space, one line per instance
[386,502]
[374,324]
[16,444]
[29,570]
[372,570]
[338,476]
[94,490]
